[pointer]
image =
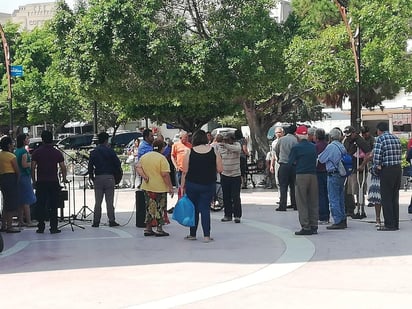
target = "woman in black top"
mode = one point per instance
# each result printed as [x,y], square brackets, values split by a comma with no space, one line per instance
[200,166]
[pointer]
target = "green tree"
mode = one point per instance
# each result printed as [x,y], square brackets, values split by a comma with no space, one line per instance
[323,40]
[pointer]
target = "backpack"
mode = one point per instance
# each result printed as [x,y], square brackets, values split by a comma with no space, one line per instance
[345,166]
[346,161]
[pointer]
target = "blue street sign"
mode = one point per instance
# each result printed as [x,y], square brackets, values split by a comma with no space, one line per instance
[16,71]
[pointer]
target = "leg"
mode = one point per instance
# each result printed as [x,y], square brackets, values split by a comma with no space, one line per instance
[227,196]
[98,197]
[283,186]
[237,203]
[109,197]
[292,181]
[301,201]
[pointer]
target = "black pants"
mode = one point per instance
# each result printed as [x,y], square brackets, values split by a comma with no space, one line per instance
[47,194]
[231,196]
[287,178]
[390,185]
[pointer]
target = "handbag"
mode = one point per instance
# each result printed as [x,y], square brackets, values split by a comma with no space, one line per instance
[184,212]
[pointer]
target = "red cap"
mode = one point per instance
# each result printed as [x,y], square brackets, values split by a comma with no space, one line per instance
[302,130]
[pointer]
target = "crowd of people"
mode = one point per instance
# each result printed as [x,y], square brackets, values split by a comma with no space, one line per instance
[309,166]
[304,164]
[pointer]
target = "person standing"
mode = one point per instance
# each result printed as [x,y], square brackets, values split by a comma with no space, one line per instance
[103,163]
[321,144]
[331,157]
[45,164]
[231,178]
[146,145]
[132,152]
[359,149]
[304,156]
[199,182]
[274,160]
[9,178]
[26,194]
[387,157]
[286,173]
[243,157]
[155,172]
[179,151]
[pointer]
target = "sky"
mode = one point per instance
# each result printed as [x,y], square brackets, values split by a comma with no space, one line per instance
[8,6]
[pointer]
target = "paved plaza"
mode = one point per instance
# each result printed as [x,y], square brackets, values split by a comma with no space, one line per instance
[259,263]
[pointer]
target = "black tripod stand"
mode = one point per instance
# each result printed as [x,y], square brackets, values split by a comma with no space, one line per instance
[83,210]
[69,218]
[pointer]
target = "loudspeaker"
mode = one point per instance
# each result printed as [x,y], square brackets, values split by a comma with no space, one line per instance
[140,209]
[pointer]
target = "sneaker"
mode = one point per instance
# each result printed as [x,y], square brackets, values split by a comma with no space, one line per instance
[113,223]
[226,219]
[237,220]
[304,232]
[338,226]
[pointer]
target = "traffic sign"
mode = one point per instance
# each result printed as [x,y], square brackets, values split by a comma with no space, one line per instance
[16,71]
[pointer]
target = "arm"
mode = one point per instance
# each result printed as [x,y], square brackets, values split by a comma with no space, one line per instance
[63,170]
[184,172]
[140,171]
[33,171]
[168,182]
[15,167]
[219,163]
[24,162]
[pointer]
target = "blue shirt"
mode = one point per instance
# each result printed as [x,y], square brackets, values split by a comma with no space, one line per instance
[387,150]
[304,155]
[144,148]
[332,155]
[103,161]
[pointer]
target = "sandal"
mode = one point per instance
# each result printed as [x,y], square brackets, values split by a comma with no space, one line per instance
[149,233]
[189,237]
[161,233]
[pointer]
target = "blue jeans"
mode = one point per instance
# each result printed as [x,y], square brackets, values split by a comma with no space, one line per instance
[201,196]
[323,196]
[336,194]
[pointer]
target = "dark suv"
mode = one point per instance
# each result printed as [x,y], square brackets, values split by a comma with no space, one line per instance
[122,139]
[76,141]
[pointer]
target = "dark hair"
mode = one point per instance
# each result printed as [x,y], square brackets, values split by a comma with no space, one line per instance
[5,143]
[320,134]
[47,137]
[20,140]
[238,134]
[382,126]
[158,145]
[291,129]
[146,133]
[102,137]
[199,138]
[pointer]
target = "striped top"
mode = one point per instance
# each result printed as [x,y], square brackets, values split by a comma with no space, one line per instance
[230,158]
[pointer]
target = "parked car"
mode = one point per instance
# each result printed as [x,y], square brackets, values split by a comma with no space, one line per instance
[34,143]
[76,141]
[122,139]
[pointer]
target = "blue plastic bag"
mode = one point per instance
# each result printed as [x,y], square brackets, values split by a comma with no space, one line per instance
[184,212]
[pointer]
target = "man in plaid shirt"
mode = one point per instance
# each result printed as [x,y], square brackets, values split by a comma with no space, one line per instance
[387,156]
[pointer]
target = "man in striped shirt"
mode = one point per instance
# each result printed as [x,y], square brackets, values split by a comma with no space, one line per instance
[387,156]
[231,178]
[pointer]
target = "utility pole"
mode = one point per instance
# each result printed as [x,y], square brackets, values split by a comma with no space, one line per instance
[355,41]
[7,63]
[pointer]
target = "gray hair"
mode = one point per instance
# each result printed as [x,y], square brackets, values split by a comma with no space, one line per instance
[335,135]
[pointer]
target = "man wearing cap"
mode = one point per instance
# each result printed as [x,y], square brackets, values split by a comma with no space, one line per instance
[358,148]
[387,157]
[303,155]
[331,157]
[286,173]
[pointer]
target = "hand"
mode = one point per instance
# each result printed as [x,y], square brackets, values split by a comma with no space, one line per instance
[171,192]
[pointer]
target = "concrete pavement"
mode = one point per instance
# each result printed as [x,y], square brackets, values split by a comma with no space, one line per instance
[258,263]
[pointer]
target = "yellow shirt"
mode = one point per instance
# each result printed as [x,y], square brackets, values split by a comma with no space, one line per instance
[5,162]
[153,164]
